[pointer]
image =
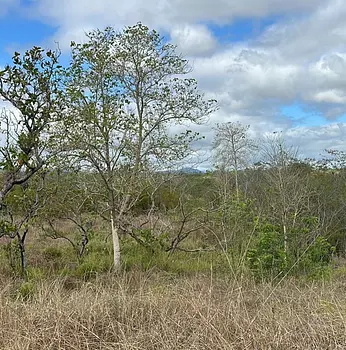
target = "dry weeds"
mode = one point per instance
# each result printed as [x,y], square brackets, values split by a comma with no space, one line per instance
[152,311]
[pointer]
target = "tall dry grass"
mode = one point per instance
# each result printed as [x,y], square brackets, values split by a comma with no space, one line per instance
[152,311]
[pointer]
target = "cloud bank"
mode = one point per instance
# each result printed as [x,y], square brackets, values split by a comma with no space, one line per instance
[299,58]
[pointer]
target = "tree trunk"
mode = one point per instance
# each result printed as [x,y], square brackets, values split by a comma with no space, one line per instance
[116,245]
[285,239]
[22,259]
[236,183]
[21,244]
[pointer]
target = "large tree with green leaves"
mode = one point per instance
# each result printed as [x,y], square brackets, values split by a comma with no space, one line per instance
[127,89]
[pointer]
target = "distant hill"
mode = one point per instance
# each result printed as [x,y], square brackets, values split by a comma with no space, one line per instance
[186,170]
[190,171]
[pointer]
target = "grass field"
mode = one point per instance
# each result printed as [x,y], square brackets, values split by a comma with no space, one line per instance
[155,310]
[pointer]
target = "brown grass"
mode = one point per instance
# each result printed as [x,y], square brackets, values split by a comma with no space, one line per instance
[151,311]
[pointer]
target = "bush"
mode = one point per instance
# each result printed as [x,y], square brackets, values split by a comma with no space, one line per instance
[316,262]
[138,257]
[268,259]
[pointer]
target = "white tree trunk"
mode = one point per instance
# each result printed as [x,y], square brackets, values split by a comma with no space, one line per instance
[285,238]
[116,245]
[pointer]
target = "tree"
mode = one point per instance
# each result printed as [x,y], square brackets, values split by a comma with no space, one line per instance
[126,91]
[23,204]
[31,85]
[287,181]
[232,147]
[276,153]
[32,91]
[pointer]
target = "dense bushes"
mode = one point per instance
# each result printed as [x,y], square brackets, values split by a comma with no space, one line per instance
[270,258]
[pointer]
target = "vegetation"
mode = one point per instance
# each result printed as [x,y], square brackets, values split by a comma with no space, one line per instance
[105,244]
[150,311]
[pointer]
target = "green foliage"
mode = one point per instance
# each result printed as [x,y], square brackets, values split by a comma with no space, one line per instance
[31,85]
[93,264]
[167,199]
[163,198]
[55,258]
[27,288]
[234,221]
[120,96]
[7,228]
[268,258]
[316,261]
[138,257]
[36,274]
[321,251]
[12,254]
[150,241]
[97,258]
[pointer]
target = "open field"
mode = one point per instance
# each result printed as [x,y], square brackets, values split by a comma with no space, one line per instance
[152,310]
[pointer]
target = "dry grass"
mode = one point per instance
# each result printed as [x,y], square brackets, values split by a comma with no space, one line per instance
[152,311]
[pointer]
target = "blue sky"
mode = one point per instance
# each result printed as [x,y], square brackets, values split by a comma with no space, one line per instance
[242,29]
[19,31]
[275,65]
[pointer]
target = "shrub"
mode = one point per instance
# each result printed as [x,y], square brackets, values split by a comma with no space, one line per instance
[316,261]
[268,258]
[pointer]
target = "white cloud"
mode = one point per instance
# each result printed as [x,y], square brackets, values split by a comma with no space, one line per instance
[161,14]
[312,141]
[330,96]
[76,34]
[321,32]
[193,40]
[302,57]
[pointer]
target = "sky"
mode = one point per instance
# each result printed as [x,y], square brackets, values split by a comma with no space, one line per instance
[275,65]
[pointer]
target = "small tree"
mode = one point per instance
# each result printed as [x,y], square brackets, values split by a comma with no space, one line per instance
[23,205]
[31,87]
[288,191]
[232,148]
[126,90]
